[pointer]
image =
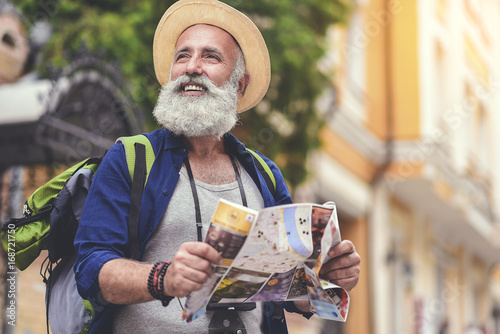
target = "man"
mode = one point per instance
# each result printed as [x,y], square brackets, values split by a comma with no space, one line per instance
[212,63]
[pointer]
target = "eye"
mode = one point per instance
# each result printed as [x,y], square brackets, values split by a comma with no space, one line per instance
[213,57]
[181,56]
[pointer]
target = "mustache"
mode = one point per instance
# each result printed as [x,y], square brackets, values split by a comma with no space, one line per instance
[200,79]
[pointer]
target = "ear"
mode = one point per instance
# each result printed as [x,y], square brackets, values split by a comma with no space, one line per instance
[243,84]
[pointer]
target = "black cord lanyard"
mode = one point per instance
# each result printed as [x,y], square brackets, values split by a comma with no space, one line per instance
[199,225]
[217,306]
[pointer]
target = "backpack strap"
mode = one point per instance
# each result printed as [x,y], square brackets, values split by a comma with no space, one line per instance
[138,182]
[129,144]
[266,172]
[140,158]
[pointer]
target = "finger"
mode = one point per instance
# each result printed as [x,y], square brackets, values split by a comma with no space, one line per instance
[340,262]
[185,263]
[347,283]
[179,288]
[181,271]
[202,250]
[343,247]
[341,274]
[180,280]
[347,278]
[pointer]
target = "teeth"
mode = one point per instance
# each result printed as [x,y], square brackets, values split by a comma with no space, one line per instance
[193,87]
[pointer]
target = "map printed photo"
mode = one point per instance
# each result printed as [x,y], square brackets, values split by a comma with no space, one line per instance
[272,255]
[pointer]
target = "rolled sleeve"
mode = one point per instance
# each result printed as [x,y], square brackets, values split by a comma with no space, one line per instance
[87,272]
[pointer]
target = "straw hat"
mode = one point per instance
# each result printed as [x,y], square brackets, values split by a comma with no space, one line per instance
[186,13]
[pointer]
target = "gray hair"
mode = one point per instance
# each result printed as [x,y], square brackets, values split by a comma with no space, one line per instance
[239,65]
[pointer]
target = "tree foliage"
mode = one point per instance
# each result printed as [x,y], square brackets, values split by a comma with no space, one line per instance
[284,126]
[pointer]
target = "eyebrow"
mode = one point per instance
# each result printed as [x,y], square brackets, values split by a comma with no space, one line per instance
[211,50]
[207,49]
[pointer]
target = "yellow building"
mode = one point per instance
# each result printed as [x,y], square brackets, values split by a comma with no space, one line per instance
[409,156]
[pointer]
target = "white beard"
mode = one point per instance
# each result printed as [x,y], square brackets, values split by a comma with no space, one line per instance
[210,114]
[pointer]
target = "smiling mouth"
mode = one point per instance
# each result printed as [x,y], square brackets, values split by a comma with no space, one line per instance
[193,88]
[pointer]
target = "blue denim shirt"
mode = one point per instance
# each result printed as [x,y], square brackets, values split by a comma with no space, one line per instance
[103,233]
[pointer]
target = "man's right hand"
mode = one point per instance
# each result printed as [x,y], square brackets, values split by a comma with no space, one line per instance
[190,268]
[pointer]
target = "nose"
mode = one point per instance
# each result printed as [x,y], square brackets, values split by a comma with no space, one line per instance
[194,66]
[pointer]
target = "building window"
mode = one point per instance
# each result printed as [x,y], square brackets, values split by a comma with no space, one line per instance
[481,136]
[479,133]
[441,74]
[357,41]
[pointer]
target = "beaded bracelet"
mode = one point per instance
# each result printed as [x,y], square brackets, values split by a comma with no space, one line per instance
[151,277]
[165,300]
[155,282]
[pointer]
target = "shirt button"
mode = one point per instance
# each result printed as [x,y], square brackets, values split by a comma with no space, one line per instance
[165,192]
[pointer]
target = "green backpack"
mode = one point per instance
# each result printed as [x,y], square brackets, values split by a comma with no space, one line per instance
[51,216]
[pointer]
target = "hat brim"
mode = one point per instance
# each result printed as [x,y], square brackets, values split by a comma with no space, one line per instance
[186,13]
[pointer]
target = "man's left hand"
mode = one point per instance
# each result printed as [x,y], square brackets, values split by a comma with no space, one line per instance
[344,266]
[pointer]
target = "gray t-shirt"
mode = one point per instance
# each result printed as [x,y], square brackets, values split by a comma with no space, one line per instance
[176,227]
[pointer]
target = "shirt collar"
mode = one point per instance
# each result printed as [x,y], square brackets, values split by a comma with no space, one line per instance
[172,141]
[233,145]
